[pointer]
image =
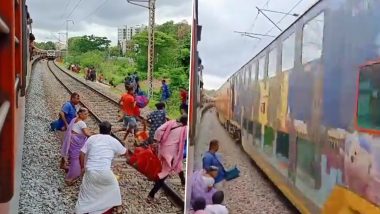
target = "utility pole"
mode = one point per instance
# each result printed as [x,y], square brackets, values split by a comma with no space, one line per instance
[67,35]
[152,9]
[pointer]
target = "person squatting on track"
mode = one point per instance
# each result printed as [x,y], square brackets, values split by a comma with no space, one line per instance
[156,119]
[170,138]
[99,191]
[210,158]
[68,112]
[74,139]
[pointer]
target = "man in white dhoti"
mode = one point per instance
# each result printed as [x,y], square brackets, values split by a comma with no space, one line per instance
[99,191]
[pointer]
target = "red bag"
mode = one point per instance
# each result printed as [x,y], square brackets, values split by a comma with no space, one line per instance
[146,162]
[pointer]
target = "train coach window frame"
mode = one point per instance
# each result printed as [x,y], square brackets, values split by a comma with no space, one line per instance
[367,114]
[312,48]
[304,173]
[272,62]
[288,51]
[261,72]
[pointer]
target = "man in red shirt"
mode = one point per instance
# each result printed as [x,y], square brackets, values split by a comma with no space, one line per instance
[128,106]
[184,100]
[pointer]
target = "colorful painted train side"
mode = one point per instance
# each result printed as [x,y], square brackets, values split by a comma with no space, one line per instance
[307,108]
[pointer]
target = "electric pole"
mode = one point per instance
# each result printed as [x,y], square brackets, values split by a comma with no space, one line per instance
[67,35]
[152,9]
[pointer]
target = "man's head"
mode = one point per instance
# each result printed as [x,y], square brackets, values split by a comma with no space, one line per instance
[160,106]
[74,98]
[163,81]
[218,197]
[105,127]
[214,146]
[199,204]
[183,120]
[130,89]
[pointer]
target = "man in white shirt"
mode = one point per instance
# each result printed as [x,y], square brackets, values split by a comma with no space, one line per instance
[99,191]
[217,207]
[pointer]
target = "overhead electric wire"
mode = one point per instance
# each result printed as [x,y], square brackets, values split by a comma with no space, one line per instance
[75,7]
[94,11]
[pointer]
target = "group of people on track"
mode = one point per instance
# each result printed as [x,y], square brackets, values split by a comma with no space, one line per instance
[207,184]
[87,156]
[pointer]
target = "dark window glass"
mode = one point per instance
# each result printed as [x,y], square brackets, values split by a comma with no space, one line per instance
[369,97]
[268,140]
[282,145]
[305,162]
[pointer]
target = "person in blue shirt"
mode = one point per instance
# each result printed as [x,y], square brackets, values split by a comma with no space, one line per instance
[165,91]
[67,113]
[210,158]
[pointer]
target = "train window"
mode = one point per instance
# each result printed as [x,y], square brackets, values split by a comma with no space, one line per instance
[261,68]
[250,127]
[257,140]
[282,146]
[369,98]
[268,140]
[288,51]
[312,41]
[272,64]
[306,154]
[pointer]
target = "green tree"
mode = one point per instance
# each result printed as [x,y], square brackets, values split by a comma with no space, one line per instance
[83,44]
[49,45]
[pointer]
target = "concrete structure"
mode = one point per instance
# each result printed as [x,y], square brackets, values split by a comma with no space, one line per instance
[125,35]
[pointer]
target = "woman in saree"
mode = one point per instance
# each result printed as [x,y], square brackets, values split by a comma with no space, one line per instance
[203,184]
[75,137]
[170,138]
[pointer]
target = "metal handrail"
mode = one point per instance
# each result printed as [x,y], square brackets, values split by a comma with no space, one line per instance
[17,41]
[3,27]
[4,109]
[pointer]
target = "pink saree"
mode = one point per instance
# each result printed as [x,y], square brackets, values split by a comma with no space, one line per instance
[171,139]
[72,144]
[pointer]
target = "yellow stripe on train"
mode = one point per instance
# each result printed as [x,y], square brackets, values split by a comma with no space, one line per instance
[344,201]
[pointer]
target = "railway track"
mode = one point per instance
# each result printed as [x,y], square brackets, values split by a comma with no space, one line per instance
[103,107]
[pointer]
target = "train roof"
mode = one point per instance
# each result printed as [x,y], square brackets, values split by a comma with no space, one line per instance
[275,39]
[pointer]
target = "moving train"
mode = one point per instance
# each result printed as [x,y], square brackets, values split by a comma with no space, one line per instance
[306,108]
[15,70]
[51,54]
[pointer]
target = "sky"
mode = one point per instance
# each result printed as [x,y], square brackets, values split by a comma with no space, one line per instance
[222,51]
[98,17]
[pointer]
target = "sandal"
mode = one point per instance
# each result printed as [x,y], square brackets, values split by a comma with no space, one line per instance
[150,200]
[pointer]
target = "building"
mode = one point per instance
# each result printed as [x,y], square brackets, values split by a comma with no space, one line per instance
[131,31]
[121,35]
[125,35]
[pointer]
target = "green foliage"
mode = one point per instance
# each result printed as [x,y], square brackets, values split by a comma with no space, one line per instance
[49,45]
[83,44]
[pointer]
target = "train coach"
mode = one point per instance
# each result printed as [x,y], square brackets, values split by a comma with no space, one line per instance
[15,67]
[312,120]
[51,54]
